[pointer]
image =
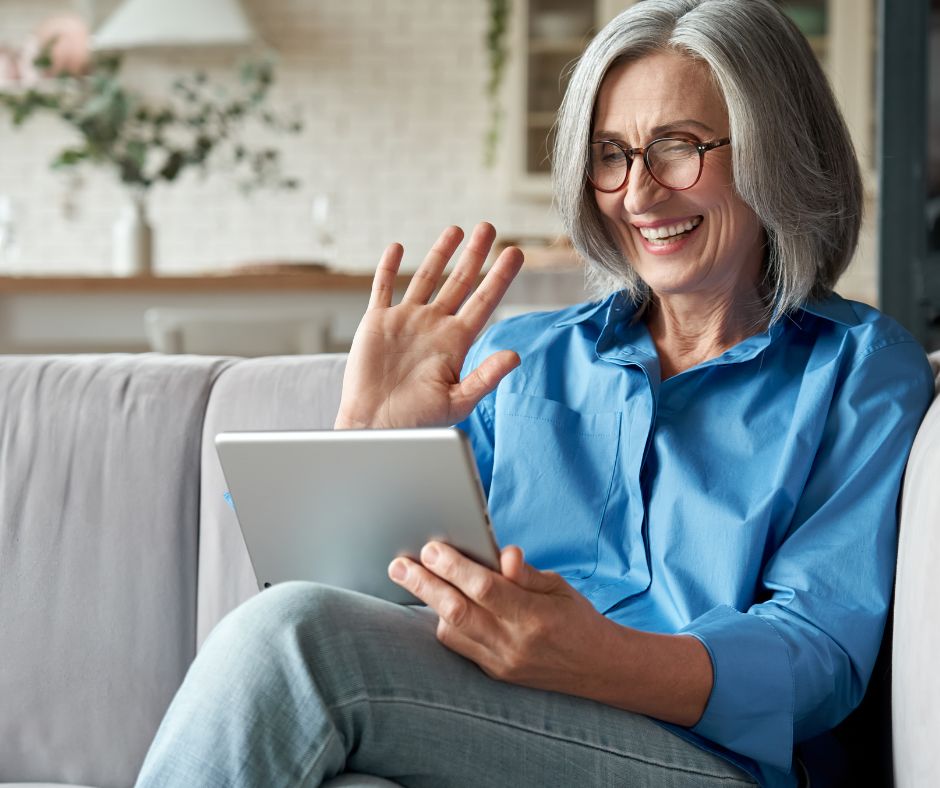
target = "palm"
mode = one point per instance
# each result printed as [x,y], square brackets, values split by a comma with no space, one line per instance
[405,362]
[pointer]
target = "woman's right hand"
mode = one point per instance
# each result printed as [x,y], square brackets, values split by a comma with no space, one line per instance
[404,365]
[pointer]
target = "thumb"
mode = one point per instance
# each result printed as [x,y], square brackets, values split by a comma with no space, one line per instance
[513,566]
[483,380]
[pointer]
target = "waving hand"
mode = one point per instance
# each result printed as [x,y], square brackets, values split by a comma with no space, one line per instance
[405,361]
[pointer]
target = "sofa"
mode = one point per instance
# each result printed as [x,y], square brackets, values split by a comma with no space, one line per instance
[118,553]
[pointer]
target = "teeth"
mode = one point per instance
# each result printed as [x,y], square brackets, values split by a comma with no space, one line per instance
[669,231]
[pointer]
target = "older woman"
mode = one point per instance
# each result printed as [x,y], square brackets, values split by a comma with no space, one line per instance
[701,468]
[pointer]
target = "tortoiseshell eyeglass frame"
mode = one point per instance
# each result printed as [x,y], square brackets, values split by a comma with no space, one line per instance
[632,153]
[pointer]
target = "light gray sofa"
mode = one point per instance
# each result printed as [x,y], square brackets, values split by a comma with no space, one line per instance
[118,553]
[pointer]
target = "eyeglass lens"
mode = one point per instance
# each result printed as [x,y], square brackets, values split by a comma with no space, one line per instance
[673,163]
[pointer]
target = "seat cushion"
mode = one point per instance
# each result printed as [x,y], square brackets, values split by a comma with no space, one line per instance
[343,781]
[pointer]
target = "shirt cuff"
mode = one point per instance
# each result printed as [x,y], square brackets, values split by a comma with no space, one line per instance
[750,709]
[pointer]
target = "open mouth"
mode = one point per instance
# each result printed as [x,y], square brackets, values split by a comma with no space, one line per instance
[670,233]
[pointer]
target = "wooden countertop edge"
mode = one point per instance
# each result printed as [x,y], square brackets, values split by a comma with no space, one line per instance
[199,283]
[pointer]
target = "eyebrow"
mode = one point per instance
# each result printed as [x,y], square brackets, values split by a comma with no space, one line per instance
[656,131]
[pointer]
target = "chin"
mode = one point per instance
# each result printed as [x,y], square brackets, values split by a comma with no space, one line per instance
[666,282]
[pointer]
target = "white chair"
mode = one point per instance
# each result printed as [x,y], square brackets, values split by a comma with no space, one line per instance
[236,332]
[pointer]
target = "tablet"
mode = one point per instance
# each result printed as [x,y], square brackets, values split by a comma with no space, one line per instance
[336,506]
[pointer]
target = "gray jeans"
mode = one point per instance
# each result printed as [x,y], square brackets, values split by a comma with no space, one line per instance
[305,682]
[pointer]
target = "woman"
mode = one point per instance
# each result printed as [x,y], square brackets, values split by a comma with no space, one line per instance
[702,468]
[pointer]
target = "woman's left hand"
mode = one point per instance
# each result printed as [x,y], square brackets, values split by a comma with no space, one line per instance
[519,625]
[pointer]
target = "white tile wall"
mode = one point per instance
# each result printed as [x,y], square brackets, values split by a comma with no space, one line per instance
[392,95]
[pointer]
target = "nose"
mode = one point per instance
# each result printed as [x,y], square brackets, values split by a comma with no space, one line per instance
[643,192]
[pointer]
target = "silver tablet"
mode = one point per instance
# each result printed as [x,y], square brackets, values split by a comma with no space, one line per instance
[337,506]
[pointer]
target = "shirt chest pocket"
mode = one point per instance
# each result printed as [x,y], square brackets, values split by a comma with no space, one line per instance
[553,469]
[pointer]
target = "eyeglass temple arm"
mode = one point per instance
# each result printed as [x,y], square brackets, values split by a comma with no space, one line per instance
[706,146]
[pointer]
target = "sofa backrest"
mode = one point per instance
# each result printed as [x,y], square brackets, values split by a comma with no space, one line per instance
[99,486]
[276,393]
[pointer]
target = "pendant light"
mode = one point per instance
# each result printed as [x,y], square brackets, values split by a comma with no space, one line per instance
[138,24]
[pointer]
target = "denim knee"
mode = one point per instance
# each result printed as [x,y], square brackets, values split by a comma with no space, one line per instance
[263,621]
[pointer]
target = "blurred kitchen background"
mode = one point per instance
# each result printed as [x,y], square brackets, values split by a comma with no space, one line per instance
[394,119]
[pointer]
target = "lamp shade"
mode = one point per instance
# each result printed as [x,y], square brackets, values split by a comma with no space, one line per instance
[137,24]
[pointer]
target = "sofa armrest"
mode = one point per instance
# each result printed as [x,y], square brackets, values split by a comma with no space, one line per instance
[915,685]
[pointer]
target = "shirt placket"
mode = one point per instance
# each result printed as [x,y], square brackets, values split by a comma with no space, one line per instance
[623,569]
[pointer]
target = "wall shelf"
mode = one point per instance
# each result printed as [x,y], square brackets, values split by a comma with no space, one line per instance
[198,283]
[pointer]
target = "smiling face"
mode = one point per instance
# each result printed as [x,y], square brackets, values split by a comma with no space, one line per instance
[704,241]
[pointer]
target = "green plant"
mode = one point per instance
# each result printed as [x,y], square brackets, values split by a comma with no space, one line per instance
[498,53]
[146,141]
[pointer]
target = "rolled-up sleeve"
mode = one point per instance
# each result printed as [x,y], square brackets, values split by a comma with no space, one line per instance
[798,662]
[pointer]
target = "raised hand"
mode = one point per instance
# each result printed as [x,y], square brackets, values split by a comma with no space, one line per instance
[405,361]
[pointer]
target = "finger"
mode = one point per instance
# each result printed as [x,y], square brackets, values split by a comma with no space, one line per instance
[468,392]
[449,603]
[480,306]
[426,278]
[513,566]
[511,561]
[383,283]
[460,643]
[482,586]
[428,587]
[463,278]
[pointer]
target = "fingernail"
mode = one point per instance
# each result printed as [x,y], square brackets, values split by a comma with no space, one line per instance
[397,570]
[429,554]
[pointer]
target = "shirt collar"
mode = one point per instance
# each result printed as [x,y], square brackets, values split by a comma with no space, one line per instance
[617,307]
[834,308]
[622,341]
[599,313]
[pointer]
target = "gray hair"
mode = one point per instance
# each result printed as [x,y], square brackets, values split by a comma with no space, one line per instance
[792,156]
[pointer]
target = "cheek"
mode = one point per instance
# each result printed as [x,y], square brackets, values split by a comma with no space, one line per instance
[745,224]
[610,207]
[740,234]
[605,205]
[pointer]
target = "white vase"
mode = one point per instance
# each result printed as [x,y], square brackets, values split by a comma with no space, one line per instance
[132,242]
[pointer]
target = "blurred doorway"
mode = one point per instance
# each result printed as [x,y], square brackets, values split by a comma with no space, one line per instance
[909,165]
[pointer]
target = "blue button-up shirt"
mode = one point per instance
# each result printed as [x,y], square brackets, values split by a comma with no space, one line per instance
[749,501]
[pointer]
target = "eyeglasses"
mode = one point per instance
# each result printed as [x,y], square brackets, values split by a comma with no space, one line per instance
[673,163]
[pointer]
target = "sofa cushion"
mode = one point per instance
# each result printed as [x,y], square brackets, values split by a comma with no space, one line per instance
[343,781]
[273,393]
[42,785]
[98,527]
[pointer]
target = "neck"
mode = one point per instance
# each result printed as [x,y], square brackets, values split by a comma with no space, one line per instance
[689,331]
